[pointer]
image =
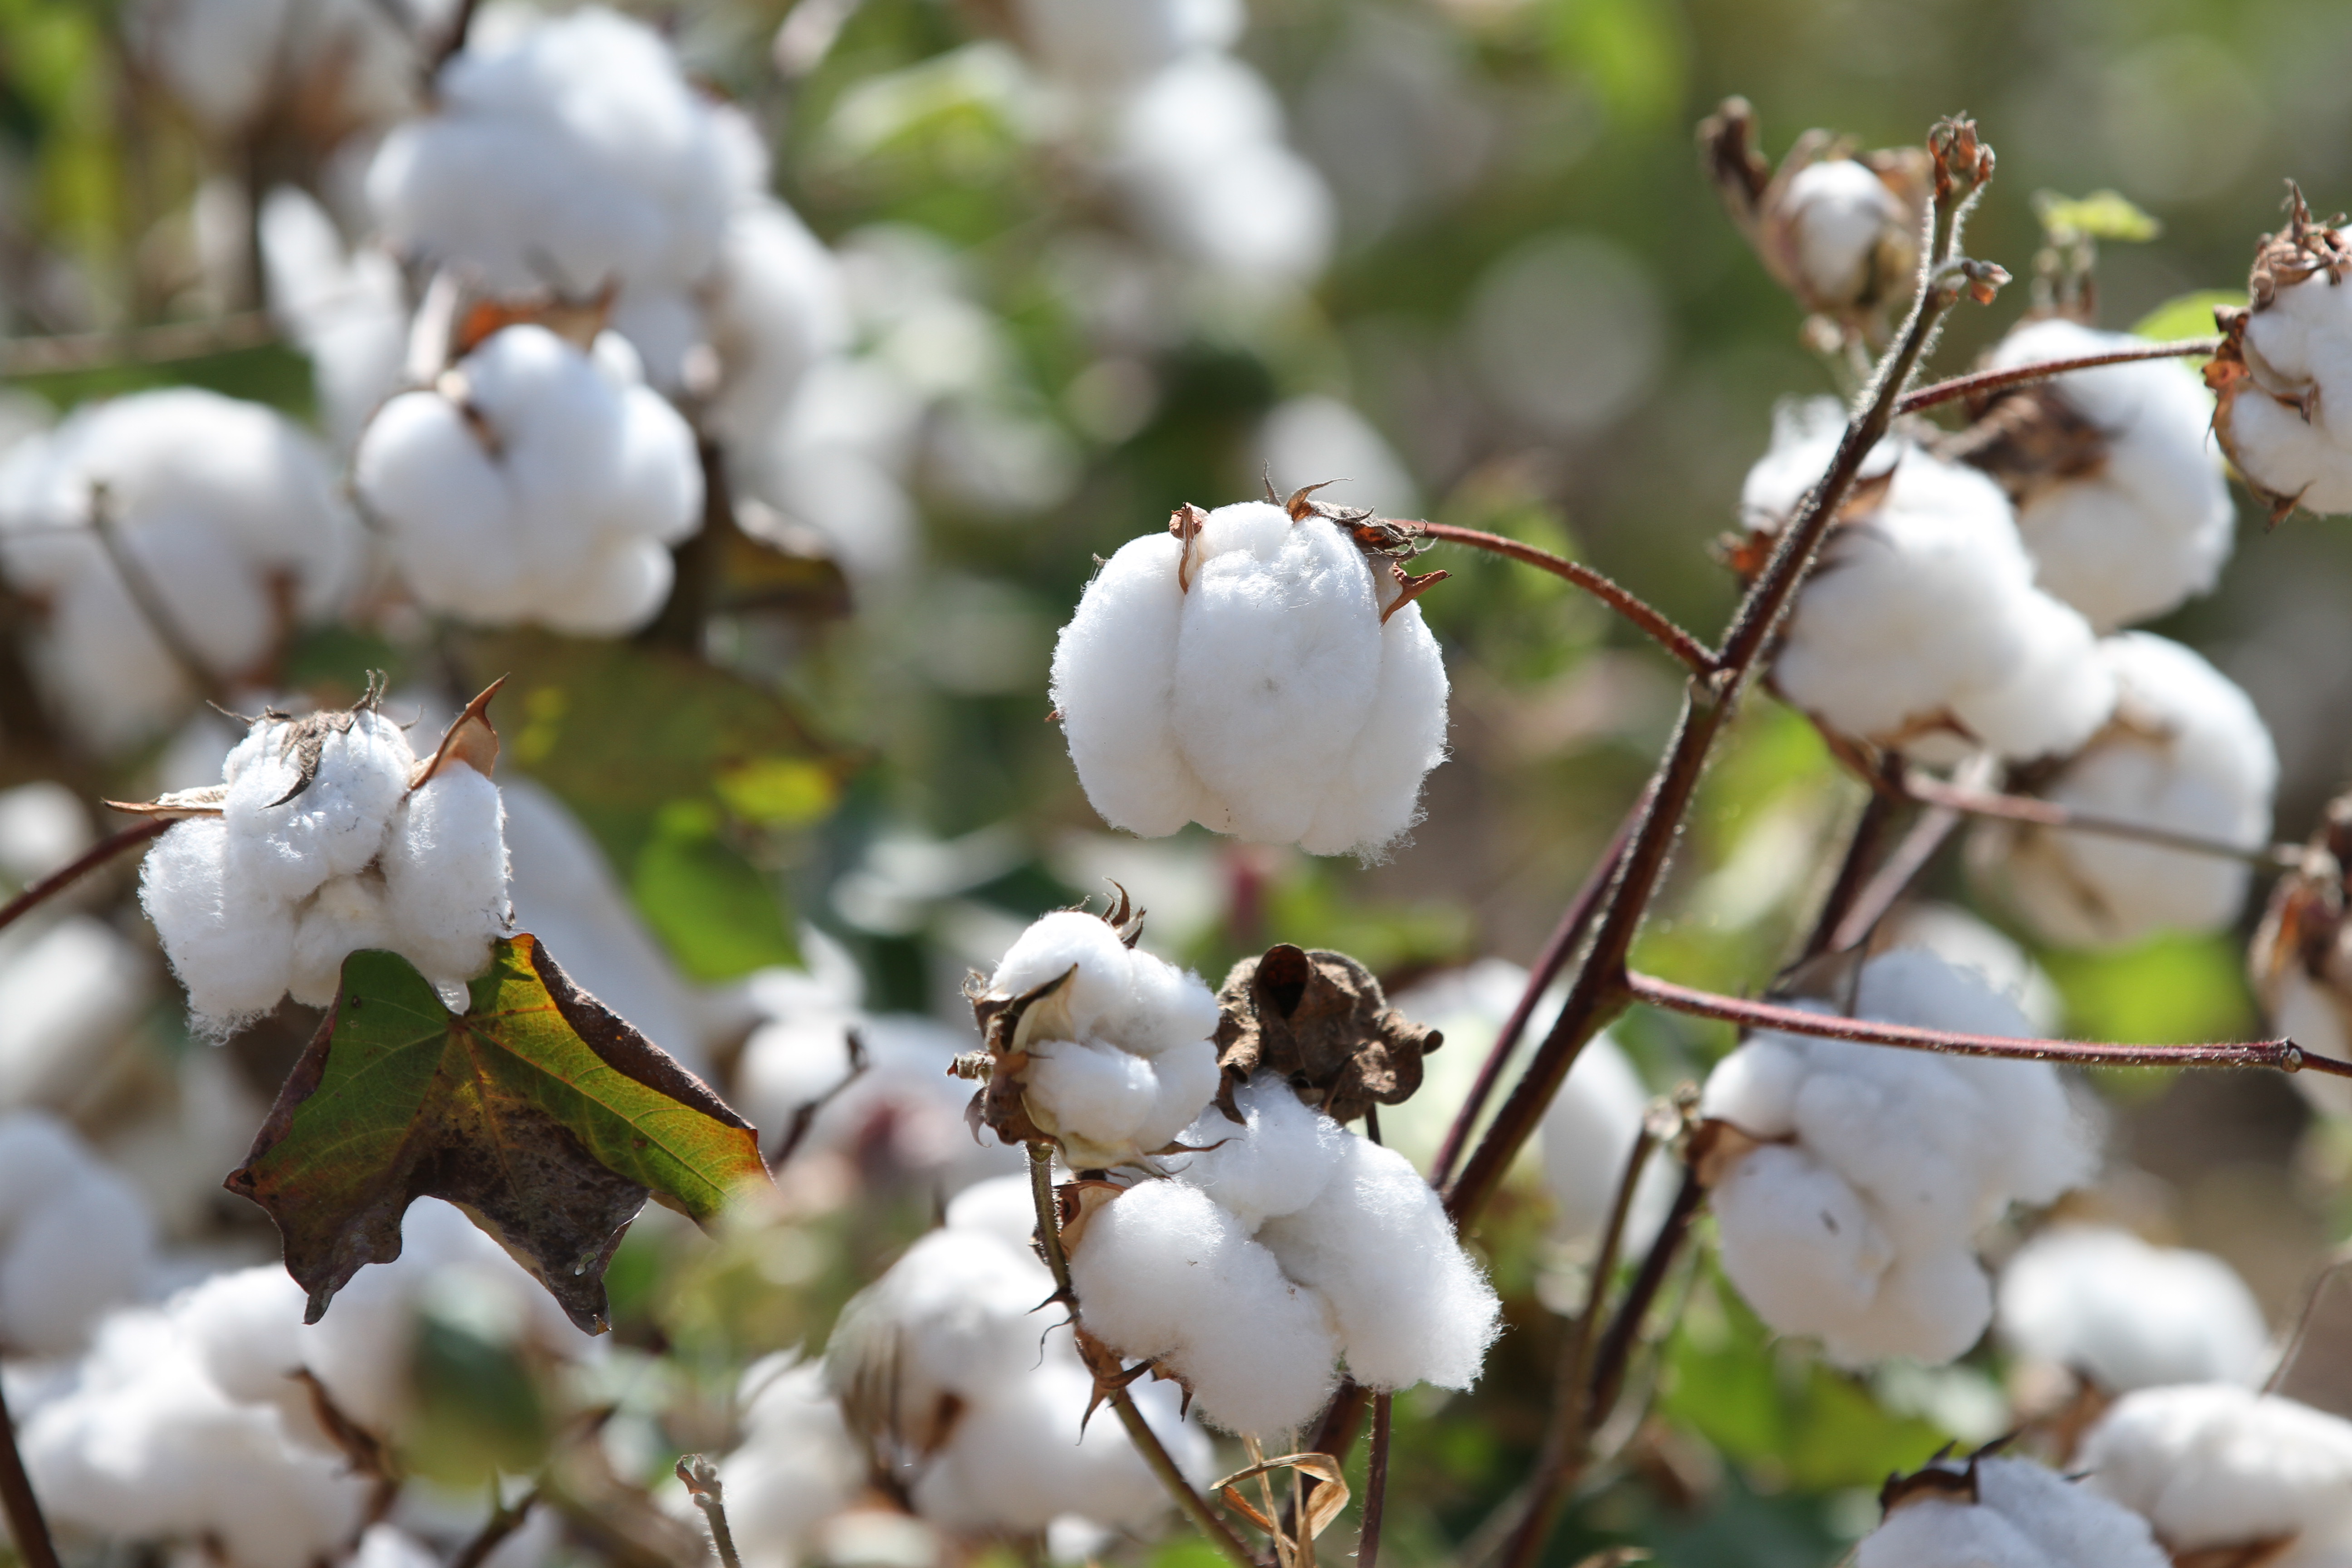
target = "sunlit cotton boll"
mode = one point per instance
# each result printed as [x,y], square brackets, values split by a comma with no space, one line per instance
[346,307]
[2024,1516]
[1845,230]
[2213,1465]
[1248,682]
[2103,1302]
[2185,752]
[1921,628]
[1588,1136]
[218,507]
[535,484]
[2279,417]
[1851,1221]
[1120,1058]
[75,1237]
[796,1466]
[269,897]
[2139,517]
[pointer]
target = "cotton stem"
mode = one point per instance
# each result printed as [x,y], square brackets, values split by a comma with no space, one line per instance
[1650,622]
[1984,381]
[1139,1431]
[1376,1484]
[701,1478]
[27,1528]
[1862,847]
[504,1520]
[97,854]
[145,346]
[2041,812]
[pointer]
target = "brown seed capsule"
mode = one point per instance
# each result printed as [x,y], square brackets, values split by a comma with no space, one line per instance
[1319,1019]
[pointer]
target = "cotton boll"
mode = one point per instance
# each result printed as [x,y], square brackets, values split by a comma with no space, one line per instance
[1588,1136]
[1798,1242]
[68,996]
[229,941]
[797,1465]
[2128,1314]
[2025,1516]
[1017,1462]
[2148,523]
[2217,1465]
[347,308]
[1409,1305]
[1164,1272]
[75,1237]
[1277,1161]
[776,311]
[2186,752]
[445,873]
[1846,227]
[291,836]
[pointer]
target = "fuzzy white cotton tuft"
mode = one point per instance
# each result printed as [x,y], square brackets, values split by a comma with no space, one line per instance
[267,899]
[1852,1221]
[537,483]
[346,307]
[1120,1055]
[2186,752]
[1921,628]
[2129,1315]
[2148,525]
[1277,1161]
[2278,423]
[2213,1465]
[75,1237]
[1096,46]
[2025,1516]
[219,507]
[1261,695]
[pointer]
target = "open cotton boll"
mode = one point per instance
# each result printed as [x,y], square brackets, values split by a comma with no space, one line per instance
[2186,752]
[1921,629]
[2213,1465]
[75,1237]
[1120,1055]
[1588,1136]
[2130,1315]
[2285,368]
[1016,1460]
[346,309]
[1277,1161]
[1852,1220]
[1096,46]
[2024,1516]
[2136,517]
[226,513]
[536,483]
[797,1465]
[569,154]
[1164,1272]
[1245,680]
[775,311]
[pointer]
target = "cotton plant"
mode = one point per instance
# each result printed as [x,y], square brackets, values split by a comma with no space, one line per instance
[2129,1315]
[2221,1466]
[2004,1513]
[172,540]
[1848,1203]
[2283,370]
[1260,669]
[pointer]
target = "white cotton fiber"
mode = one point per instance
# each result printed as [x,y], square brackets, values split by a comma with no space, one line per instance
[75,1237]
[2128,1315]
[1277,1161]
[1121,1057]
[1841,217]
[776,309]
[2279,423]
[268,898]
[2186,752]
[796,1466]
[1164,1272]
[2212,1465]
[215,503]
[1260,695]
[1103,45]
[2025,1516]
[2150,524]
[1854,1223]
[1921,628]
[1588,1136]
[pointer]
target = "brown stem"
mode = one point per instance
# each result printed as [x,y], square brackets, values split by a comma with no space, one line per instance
[27,1528]
[1616,1353]
[701,1479]
[1147,1442]
[2049,814]
[503,1521]
[1853,872]
[1376,1485]
[1651,622]
[97,854]
[146,345]
[2283,1054]
[1985,381]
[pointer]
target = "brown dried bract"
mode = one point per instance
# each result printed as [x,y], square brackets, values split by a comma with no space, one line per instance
[1319,1019]
[1938,1481]
[2297,252]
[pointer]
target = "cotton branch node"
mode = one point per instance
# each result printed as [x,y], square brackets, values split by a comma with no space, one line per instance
[328,835]
[2284,368]
[1318,1020]
[1261,670]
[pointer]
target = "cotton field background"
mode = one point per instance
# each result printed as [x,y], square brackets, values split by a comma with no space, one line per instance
[923,783]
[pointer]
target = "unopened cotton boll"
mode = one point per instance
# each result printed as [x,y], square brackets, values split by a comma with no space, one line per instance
[1245,679]
[2187,752]
[1921,628]
[1852,1220]
[2024,1516]
[2106,1303]
[2124,506]
[268,899]
[1120,1054]
[75,1237]
[2216,1465]
[2285,368]
[219,507]
[538,483]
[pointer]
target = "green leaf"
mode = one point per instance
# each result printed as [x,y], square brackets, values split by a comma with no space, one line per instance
[2187,316]
[540,1112]
[2102,215]
[711,907]
[2172,990]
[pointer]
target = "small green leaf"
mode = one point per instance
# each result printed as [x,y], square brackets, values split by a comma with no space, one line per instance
[714,911]
[2187,316]
[2102,215]
[541,1113]
[2172,990]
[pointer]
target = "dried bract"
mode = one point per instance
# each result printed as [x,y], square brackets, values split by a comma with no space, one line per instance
[1319,1019]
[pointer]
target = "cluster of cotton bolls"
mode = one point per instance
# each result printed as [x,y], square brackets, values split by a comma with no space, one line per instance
[2008,1513]
[1257,672]
[196,1421]
[164,530]
[326,837]
[2103,1303]
[945,1369]
[2221,1467]
[2285,367]
[1284,1246]
[1863,1174]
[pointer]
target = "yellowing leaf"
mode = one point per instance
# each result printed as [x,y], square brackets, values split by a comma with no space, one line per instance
[544,1116]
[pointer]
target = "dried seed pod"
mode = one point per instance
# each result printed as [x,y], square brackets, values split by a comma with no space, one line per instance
[1319,1019]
